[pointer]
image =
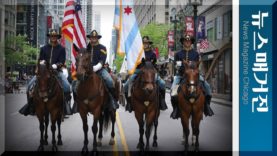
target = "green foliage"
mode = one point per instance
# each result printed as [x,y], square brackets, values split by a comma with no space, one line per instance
[158,34]
[118,61]
[18,51]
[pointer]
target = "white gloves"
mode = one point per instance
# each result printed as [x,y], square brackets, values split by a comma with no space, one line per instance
[179,63]
[97,67]
[54,66]
[42,62]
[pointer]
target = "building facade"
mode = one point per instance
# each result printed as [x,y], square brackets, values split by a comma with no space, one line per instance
[32,21]
[96,21]
[89,15]
[151,11]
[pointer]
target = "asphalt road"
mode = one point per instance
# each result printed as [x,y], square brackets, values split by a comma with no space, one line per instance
[22,133]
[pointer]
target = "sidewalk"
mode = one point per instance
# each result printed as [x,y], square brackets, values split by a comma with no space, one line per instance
[222,102]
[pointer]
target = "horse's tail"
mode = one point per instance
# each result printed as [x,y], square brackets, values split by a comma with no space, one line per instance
[106,119]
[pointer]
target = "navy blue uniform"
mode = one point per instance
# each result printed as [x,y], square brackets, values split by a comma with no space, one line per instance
[58,54]
[150,55]
[99,54]
[191,55]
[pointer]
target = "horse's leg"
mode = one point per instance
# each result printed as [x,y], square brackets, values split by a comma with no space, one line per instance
[150,118]
[155,143]
[193,134]
[139,117]
[113,118]
[85,129]
[196,131]
[46,121]
[100,135]
[94,131]
[41,127]
[185,123]
[59,122]
[53,129]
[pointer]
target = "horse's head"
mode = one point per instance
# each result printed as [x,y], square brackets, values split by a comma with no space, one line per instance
[43,79]
[83,64]
[148,76]
[191,75]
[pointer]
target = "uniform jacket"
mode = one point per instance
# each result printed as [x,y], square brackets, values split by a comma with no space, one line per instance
[58,54]
[99,53]
[190,55]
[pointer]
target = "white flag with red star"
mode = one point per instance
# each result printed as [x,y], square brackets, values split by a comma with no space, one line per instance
[129,41]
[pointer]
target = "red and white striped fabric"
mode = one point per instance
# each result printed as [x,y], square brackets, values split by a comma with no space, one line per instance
[204,44]
[73,29]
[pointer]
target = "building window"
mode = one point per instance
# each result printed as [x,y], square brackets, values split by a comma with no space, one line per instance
[210,30]
[227,23]
[6,17]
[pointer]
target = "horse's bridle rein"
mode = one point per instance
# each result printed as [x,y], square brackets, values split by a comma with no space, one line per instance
[192,86]
[50,91]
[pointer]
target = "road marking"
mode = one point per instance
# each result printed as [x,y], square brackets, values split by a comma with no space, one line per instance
[115,148]
[122,136]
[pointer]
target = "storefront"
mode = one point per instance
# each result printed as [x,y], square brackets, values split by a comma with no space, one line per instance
[220,74]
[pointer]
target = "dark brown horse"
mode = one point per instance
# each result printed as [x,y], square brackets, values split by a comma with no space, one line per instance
[191,102]
[48,98]
[92,98]
[144,100]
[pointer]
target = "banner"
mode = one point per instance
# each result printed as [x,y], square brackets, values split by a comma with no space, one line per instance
[201,28]
[189,25]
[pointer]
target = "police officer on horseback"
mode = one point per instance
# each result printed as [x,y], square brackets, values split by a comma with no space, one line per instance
[99,54]
[54,54]
[188,54]
[149,56]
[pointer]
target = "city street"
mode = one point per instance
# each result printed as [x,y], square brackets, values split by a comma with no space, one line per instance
[22,133]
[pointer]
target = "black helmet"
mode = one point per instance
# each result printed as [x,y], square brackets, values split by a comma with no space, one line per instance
[94,34]
[145,39]
[54,32]
[188,38]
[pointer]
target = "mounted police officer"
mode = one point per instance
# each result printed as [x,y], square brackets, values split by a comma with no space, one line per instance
[149,56]
[188,54]
[54,54]
[99,58]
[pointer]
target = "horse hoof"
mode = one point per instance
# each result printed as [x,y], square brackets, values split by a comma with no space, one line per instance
[55,148]
[196,149]
[111,142]
[60,142]
[85,150]
[99,143]
[40,148]
[147,148]
[155,144]
[45,142]
[94,149]
[140,146]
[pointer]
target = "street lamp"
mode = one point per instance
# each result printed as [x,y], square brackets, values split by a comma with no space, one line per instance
[173,19]
[195,4]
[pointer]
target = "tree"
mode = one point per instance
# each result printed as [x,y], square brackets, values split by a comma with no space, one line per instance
[18,51]
[158,34]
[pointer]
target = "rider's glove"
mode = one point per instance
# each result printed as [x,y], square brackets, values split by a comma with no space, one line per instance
[54,66]
[179,63]
[97,67]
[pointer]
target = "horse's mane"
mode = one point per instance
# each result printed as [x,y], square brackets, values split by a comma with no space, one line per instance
[148,65]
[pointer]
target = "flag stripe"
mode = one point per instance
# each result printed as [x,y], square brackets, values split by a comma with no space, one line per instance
[131,37]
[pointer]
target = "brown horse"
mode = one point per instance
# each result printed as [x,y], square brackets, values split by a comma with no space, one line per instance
[48,98]
[91,97]
[191,102]
[145,100]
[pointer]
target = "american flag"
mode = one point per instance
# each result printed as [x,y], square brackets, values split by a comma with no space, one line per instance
[73,29]
[204,44]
